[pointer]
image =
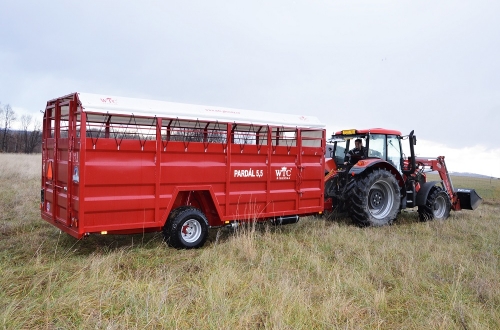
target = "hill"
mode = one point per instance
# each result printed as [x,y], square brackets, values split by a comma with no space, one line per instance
[472,175]
[466,174]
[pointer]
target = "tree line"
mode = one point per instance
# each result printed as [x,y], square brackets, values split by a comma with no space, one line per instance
[27,139]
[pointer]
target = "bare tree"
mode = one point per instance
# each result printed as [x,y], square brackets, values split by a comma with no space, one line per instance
[30,138]
[25,123]
[34,138]
[7,117]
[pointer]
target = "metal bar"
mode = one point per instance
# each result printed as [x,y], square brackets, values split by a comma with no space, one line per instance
[159,147]
[81,183]
[55,163]
[229,131]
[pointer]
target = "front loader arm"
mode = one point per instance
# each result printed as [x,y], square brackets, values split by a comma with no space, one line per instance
[438,164]
[464,198]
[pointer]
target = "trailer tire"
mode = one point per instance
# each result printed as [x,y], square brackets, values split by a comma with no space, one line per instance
[437,205]
[373,199]
[186,228]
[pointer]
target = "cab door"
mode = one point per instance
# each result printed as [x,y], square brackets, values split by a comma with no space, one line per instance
[394,155]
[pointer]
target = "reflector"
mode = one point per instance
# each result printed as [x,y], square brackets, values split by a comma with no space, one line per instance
[49,171]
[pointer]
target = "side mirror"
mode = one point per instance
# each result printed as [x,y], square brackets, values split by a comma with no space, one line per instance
[414,140]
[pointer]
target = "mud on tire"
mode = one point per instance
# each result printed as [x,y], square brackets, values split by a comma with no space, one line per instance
[373,198]
[186,228]
[437,205]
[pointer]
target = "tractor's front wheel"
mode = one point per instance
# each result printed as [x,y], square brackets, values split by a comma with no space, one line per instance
[437,206]
[186,228]
[373,198]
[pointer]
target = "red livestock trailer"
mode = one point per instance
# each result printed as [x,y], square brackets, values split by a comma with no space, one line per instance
[116,165]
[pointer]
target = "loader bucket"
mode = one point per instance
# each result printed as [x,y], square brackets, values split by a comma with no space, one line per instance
[469,199]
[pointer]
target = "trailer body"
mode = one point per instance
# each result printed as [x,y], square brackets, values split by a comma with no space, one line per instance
[119,165]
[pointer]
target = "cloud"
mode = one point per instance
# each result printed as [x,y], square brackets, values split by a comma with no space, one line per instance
[432,67]
[478,159]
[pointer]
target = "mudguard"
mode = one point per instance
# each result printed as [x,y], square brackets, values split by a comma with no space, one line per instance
[365,164]
[424,190]
[330,165]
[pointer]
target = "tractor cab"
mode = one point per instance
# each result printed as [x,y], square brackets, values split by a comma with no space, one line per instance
[378,143]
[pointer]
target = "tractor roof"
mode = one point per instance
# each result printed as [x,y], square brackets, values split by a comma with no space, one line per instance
[368,130]
[149,108]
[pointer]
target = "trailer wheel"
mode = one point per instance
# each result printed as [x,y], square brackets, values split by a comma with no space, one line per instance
[373,199]
[437,206]
[186,228]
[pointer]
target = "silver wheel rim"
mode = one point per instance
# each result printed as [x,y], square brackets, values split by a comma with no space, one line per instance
[380,199]
[191,231]
[439,207]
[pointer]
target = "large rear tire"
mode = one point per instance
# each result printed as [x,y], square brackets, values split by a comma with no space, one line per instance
[437,205]
[373,199]
[186,228]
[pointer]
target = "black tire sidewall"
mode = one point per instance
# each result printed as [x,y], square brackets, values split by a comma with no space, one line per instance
[173,228]
[448,204]
[426,212]
[359,198]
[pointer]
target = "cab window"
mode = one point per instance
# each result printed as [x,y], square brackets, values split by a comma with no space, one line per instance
[340,152]
[377,148]
[394,151]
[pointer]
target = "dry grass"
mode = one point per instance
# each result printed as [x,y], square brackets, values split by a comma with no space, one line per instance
[316,274]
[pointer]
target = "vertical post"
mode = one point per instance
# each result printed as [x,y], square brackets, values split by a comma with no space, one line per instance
[71,141]
[81,183]
[268,168]
[45,128]
[159,150]
[205,133]
[229,139]
[298,183]
[107,129]
[55,166]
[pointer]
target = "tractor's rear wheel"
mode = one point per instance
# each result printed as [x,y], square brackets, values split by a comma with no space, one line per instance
[186,228]
[437,206]
[373,198]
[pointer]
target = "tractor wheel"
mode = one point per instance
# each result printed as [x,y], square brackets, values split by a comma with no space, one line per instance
[373,199]
[437,206]
[186,228]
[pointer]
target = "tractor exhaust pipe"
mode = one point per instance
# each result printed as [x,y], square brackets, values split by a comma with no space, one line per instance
[413,141]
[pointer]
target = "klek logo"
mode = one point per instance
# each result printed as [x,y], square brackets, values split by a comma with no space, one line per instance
[284,174]
[109,100]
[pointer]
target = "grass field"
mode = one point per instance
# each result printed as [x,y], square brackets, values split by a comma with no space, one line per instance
[316,274]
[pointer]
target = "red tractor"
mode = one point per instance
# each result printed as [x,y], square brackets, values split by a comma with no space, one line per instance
[375,181]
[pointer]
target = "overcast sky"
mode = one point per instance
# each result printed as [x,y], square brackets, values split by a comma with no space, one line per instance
[428,66]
